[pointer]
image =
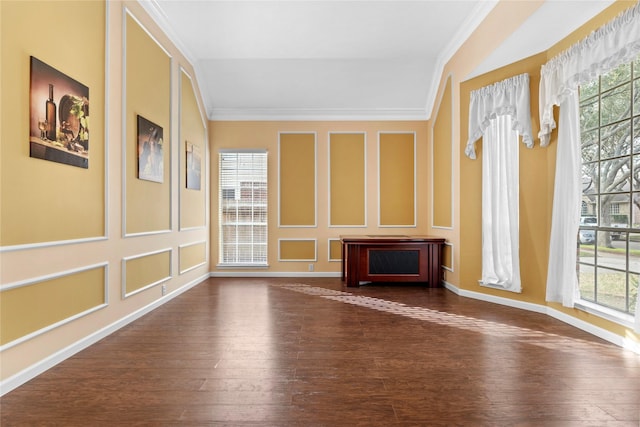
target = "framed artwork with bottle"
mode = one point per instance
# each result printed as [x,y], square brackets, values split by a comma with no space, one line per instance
[58,116]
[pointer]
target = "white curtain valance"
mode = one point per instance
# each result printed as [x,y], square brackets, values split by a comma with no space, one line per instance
[508,97]
[603,50]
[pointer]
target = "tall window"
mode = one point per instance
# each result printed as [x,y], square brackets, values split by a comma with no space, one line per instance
[609,261]
[243,208]
[500,113]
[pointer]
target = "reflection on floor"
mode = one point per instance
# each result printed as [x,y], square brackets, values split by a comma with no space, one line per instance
[310,352]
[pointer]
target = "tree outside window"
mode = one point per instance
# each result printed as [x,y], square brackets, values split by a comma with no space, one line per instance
[609,266]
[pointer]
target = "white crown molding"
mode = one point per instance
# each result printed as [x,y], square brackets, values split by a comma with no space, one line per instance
[313,114]
[155,12]
[480,12]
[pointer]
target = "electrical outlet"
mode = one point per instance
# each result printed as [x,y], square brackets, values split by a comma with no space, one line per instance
[310,267]
[164,290]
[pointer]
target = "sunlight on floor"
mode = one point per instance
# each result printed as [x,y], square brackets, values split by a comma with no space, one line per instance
[529,336]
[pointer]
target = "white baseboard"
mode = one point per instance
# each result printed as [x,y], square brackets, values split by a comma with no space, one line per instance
[36,369]
[273,274]
[538,308]
[497,300]
[594,330]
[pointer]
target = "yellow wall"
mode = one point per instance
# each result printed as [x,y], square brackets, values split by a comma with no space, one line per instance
[537,165]
[151,99]
[442,160]
[264,135]
[44,201]
[193,207]
[64,253]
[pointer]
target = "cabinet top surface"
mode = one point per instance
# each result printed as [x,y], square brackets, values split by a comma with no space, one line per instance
[390,238]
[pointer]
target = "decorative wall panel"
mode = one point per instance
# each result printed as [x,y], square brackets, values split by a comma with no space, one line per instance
[347,178]
[192,256]
[193,155]
[141,272]
[148,94]
[40,304]
[396,157]
[297,180]
[297,250]
[335,250]
[447,256]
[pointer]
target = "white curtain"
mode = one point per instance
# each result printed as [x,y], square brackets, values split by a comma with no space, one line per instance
[616,43]
[608,47]
[499,114]
[562,280]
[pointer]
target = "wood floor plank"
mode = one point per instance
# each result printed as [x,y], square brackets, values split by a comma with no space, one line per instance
[300,352]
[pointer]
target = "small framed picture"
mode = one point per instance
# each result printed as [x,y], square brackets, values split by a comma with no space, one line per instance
[194,166]
[150,151]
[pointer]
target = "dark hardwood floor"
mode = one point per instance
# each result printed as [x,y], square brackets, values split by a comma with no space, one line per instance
[309,352]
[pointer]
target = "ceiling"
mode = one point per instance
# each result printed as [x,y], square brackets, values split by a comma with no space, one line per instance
[340,59]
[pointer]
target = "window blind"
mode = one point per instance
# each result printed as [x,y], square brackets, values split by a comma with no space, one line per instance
[243,207]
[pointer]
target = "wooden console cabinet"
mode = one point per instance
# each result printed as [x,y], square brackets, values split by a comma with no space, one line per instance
[370,258]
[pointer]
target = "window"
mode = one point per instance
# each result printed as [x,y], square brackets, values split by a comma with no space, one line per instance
[243,208]
[500,113]
[615,208]
[609,261]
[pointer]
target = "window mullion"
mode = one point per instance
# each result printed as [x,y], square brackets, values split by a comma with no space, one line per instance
[614,171]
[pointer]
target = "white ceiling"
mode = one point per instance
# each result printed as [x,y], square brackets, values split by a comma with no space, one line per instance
[340,59]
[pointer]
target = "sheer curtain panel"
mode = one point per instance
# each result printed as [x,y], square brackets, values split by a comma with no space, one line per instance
[499,113]
[615,43]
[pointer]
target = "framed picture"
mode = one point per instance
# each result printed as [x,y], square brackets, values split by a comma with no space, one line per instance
[193,166]
[150,155]
[58,116]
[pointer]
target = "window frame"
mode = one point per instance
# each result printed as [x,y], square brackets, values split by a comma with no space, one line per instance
[243,206]
[608,226]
